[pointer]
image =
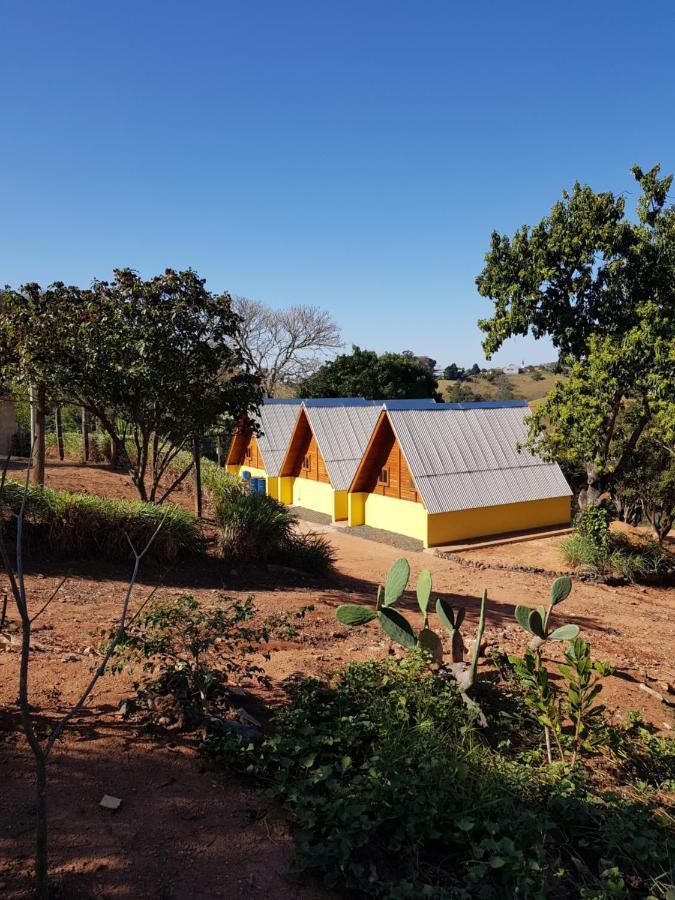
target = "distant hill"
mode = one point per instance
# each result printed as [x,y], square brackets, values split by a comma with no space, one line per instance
[532,386]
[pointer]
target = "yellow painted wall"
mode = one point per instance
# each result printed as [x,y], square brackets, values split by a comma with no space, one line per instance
[399,516]
[286,490]
[444,528]
[316,495]
[356,509]
[340,506]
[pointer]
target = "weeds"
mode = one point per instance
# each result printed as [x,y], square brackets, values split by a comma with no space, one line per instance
[86,525]
[621,558]
[395,794]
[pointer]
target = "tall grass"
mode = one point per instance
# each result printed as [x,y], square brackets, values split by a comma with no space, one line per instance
[99,446]
[86,525]
[621,558]
[257,528]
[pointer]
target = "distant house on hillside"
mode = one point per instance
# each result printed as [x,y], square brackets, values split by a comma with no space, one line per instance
[7,425]
[511,369]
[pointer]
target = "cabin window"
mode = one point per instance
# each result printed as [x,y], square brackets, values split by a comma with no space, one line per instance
[248,454]
[307,463]
[383,477]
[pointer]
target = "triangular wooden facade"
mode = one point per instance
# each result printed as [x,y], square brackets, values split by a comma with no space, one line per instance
[384,469]
[303,457]
[245,450]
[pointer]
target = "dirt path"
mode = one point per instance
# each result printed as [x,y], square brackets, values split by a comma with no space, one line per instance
[184,829]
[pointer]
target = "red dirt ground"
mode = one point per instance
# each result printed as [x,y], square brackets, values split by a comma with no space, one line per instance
[184,829]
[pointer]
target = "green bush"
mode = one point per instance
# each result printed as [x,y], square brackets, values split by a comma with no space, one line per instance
[394,794]
[620,558]
[309,552]
[90,526]
[257,528]
[593,526]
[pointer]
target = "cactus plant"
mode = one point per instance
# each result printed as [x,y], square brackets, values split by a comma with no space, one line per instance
[398,629]
[393,623]
[536,621]
[452,621]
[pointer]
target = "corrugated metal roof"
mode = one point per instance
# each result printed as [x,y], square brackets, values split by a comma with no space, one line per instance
[276,421]
[342,433]
[468,458]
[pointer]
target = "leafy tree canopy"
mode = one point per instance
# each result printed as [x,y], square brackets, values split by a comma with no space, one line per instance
[603,288]
[362,373]
[151,359]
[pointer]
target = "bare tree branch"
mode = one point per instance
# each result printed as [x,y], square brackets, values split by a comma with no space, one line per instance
[284,346]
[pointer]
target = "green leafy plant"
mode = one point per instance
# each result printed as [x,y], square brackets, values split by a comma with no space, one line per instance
[537,621]
[86,525]
[173,642]
[393,793]
[400,631]
[580,673]
[593,524]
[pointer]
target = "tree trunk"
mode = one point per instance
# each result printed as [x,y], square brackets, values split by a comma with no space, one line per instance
[41,857]
[219,450]
[58,425]
[39,439]
[197,470]
[593,491]
[85,435]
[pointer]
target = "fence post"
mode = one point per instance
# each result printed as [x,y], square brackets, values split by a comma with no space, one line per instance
[197,471]
[58,425]
[85,436]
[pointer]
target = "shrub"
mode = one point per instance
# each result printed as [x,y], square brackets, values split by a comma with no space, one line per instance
[593,526]
[257,528]
[621,557]
[395,795]
[171,644]
[309,552]
[88,525]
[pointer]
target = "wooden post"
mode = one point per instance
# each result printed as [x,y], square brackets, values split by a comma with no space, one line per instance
[197,472]
[39,438]
[58,425]
[85,435]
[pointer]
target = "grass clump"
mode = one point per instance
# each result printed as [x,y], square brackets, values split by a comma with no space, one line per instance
[395,794]
[86,525]
[619,558]
[258,528]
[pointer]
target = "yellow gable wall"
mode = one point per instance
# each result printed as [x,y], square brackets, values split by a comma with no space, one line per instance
[392,514]
[411,519]
[444,528]
[316,495]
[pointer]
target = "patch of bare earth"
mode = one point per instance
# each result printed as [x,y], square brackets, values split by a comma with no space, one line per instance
[185,829]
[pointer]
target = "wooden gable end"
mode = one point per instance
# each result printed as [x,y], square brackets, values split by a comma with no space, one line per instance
[304,459]
[384,469]
[245,450]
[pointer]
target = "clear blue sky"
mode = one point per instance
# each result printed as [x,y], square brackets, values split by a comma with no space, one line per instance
[353,155]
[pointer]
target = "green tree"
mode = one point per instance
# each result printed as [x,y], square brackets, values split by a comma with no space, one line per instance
[454,373]
[461,393]
[362,373]
[649,482]
[151,359]
[603,288]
